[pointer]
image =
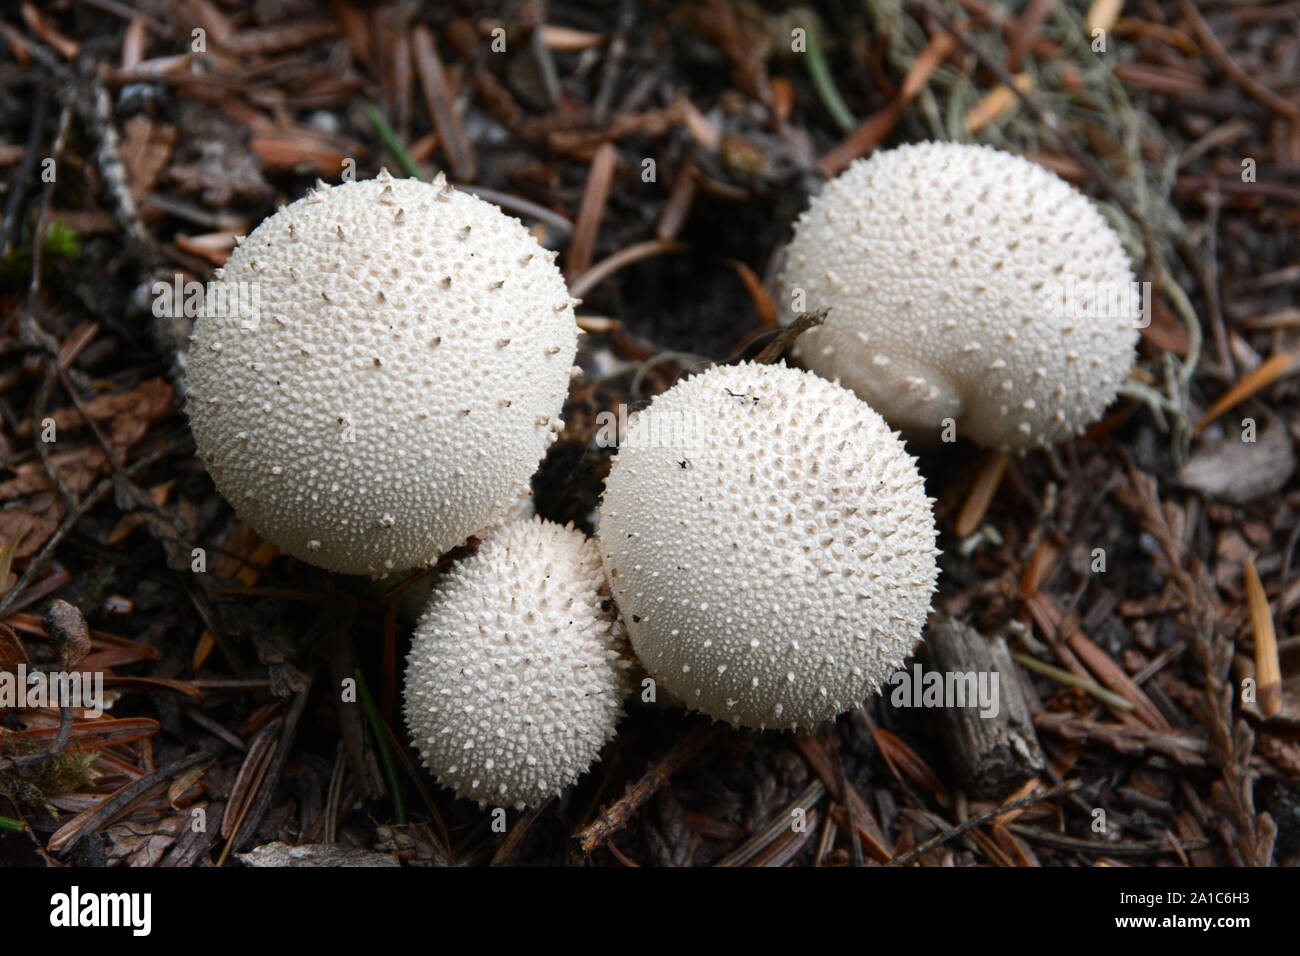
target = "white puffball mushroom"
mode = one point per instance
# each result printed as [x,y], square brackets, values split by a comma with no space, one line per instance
[957,280]
[519,667]
[392,377]
[769,544]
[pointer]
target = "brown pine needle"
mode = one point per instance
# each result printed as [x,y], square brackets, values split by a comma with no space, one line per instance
[247,574]
[1260,378]
[595,197]
[767,311]
[1026,789]
[7,558]
[442,107]
[981,494]
[1216,51]
[1113,676]
[159,495]
[877,127]
[996,102]
[1268,670]
[1103,14]
[570,40]
[606,267]
[598,323]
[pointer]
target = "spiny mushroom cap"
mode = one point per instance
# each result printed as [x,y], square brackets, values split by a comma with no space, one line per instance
[944,267]
[519,667]
[769,544]
[400,381]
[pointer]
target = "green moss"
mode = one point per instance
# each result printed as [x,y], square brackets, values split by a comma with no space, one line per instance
[66,773]
[62,240]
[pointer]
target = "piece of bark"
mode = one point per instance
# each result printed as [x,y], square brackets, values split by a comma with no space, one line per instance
[991,754]
[315,854]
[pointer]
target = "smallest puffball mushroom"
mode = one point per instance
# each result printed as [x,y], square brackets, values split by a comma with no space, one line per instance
[518,671]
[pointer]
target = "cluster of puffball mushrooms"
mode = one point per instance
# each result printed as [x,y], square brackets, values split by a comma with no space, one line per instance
[768,563]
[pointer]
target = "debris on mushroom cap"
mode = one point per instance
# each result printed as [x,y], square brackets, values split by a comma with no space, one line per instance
[769,544]
[398,381]
[519,667]
[957,280]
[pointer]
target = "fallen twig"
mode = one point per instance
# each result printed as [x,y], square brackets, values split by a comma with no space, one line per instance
[614,817]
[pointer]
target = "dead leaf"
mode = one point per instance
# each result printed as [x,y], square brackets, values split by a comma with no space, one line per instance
[150,401]
[143,843]
[1241,471]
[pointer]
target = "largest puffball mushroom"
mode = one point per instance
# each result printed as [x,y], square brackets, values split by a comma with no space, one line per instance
[518,669]
[965,287]
[397,380]
[769,544]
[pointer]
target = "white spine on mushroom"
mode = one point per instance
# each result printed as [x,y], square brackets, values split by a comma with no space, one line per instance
[941,265]
[774,567]
[519,667]
[401,380]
